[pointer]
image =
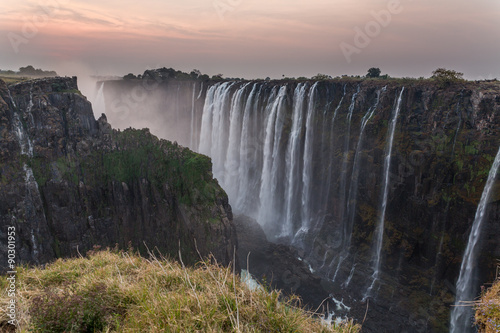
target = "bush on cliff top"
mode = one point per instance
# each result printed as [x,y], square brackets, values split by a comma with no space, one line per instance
[488,309]
[123,292]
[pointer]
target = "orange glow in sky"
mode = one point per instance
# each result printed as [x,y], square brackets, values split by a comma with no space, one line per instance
[254,38]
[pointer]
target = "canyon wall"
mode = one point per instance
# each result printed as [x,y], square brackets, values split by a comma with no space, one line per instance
[375,184]
[70,182]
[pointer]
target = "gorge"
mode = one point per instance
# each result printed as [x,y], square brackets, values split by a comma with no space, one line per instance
[364,195]
[374,184]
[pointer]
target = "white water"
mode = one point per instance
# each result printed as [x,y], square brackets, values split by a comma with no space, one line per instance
[308,161]
[379,231]
[353,186]
[267,208]
[466,290]
[343,178]
[191,133]
[292,160]
[99,106]
[22,136]
[231,164]
[248,147]
[327,194]
[33,197]
[343,170]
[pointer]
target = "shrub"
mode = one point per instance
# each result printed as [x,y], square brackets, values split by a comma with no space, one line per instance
[373,72]
[487,316]
[446,77]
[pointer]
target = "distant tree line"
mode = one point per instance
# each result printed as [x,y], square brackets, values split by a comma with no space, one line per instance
[443,77]
[29,71]
[170,73]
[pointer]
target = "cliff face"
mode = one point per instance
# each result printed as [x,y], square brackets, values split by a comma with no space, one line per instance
[320,165]
[69,182]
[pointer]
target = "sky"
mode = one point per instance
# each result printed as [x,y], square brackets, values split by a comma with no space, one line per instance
[253,38]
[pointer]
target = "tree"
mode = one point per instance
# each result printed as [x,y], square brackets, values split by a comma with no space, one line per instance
[195,73]
[320,76]
[446,77]
[217,77]
[28,70]
[129,76]
[373,72]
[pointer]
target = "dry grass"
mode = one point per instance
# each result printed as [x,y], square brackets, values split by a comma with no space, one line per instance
[488,309]
[11,79]
[123,292]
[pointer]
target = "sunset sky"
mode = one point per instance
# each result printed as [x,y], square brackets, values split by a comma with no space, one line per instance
[253,38]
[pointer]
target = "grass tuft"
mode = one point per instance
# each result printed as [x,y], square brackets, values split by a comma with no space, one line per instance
[123,292]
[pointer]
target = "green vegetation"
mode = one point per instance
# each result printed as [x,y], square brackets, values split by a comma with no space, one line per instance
[13,79]
[29,71]
[123,292]
[373,72]
[446,77]
[488,309]
[139,155]
[321,77]
[130,76]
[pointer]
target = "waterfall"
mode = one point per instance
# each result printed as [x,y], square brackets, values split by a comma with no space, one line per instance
[327,194]
[213,129]
[99,105]
[353,187]
[343,175]
[22,136]
[191,133]
[276,204]
[343,170]
[33,198]
[248,147]
[232,162]
[379,231]
[292,160]
[267,206]
[308,161]
[466,290]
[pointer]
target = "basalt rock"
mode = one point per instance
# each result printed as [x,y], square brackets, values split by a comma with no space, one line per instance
[296,157]
[69,182]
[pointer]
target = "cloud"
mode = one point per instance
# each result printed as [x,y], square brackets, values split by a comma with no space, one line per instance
[256,37]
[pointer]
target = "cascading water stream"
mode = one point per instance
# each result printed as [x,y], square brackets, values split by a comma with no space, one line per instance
[26,146]
[247,150]
[232,162]
[343,171]
[267,209]
[327,195]
[466,289]
[307,167]
[379,231]
[353,187]
[292,160]
[191,133]
[99,105]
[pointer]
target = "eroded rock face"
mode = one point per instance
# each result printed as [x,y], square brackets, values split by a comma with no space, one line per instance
[444,144]
[69,182]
